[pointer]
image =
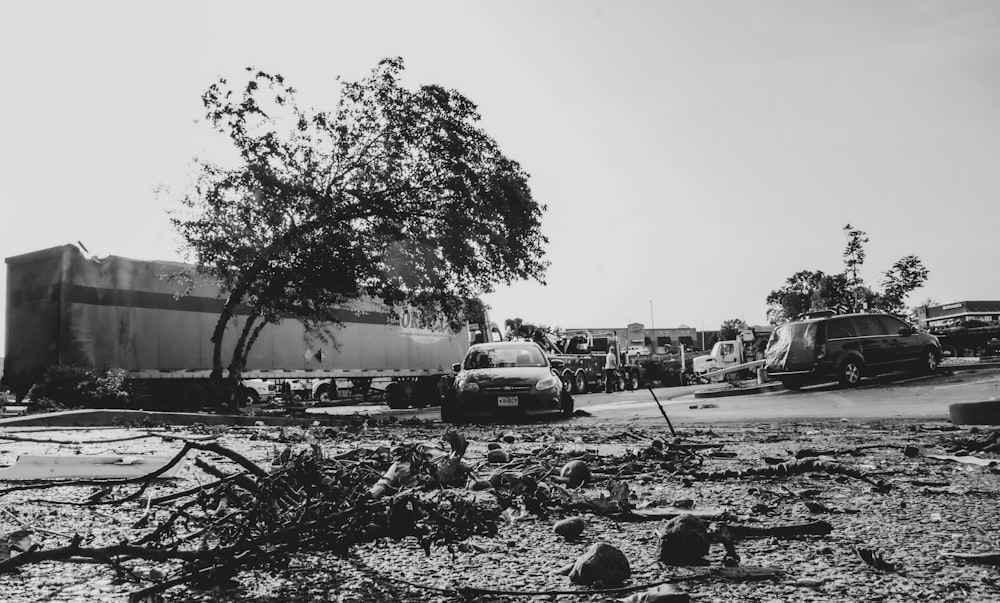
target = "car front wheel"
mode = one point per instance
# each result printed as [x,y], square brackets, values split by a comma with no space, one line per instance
[449,409]
[849,373]
[930,361]
[566,401]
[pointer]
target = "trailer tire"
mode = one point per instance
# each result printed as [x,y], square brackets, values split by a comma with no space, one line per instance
[426,393]
[395,396]
[326,392]
[579,383]
[975,413]
[246,396]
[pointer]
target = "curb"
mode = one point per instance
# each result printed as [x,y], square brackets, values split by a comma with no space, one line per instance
[132,418]
[742,391]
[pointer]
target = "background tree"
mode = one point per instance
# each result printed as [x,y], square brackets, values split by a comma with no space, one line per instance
[854,258]
[809,290]
[731,329]
[799,295]
[907,274]
[395,195]
[517,327]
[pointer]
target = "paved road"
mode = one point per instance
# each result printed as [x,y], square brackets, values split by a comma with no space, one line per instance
[889,397]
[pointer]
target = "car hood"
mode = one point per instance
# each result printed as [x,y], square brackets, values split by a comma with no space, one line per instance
[517,375]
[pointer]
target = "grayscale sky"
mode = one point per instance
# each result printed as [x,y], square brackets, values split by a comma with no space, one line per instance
[692,154]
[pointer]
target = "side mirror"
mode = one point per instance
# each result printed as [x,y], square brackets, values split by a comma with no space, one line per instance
[555,363]
[456,367]
[905,332]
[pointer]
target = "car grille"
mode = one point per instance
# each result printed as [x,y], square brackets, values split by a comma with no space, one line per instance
[510,391]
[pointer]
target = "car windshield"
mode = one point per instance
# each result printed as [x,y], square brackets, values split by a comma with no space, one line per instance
[496,357]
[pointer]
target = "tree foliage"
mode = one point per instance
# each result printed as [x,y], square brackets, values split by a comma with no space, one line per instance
[517,327]
[844,292]
[731,329]
[395,195]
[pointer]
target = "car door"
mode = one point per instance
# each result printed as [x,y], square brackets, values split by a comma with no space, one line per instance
[904,346]
[872,339]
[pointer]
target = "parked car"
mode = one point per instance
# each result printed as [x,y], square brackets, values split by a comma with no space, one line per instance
[510,378]
[847,347]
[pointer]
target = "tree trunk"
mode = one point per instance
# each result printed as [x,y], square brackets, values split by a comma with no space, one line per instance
[221,391]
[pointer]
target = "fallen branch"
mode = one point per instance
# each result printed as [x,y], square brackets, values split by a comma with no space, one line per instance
[814,528]
[991,558]
[806,465]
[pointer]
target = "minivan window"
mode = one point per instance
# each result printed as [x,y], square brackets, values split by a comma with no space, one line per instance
[893,325]
[867,325]
[839,328]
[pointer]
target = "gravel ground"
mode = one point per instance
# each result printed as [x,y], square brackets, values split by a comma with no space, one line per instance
[930,509]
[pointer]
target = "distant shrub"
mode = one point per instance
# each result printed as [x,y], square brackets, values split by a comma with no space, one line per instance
[73,387]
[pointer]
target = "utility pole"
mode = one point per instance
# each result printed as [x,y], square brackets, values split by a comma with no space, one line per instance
[652,327]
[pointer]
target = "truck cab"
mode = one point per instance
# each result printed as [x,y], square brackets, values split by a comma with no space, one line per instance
[723,355]
[726,354]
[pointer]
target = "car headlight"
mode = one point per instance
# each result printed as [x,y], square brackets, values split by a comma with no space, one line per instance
[466,385]
[549,382]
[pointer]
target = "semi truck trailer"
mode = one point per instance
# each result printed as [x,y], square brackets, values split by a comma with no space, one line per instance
[65,308]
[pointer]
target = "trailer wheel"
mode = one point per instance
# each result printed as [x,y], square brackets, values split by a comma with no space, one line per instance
[426,393]
[579,383]
[247,396]
[327,392]
[395,396]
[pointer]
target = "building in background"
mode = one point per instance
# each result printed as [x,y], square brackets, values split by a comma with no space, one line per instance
[957,313]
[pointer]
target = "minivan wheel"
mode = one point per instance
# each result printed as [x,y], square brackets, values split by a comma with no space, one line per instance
[849,373]
[930,362]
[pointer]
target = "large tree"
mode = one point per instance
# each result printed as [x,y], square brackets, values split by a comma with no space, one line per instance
[846,292]
[395,195]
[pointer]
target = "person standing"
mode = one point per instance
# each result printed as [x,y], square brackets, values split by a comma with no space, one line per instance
[610,369]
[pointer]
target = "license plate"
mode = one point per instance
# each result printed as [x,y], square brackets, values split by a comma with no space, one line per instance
[507,401]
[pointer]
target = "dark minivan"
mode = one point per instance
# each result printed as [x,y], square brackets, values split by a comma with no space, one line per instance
[847,347]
